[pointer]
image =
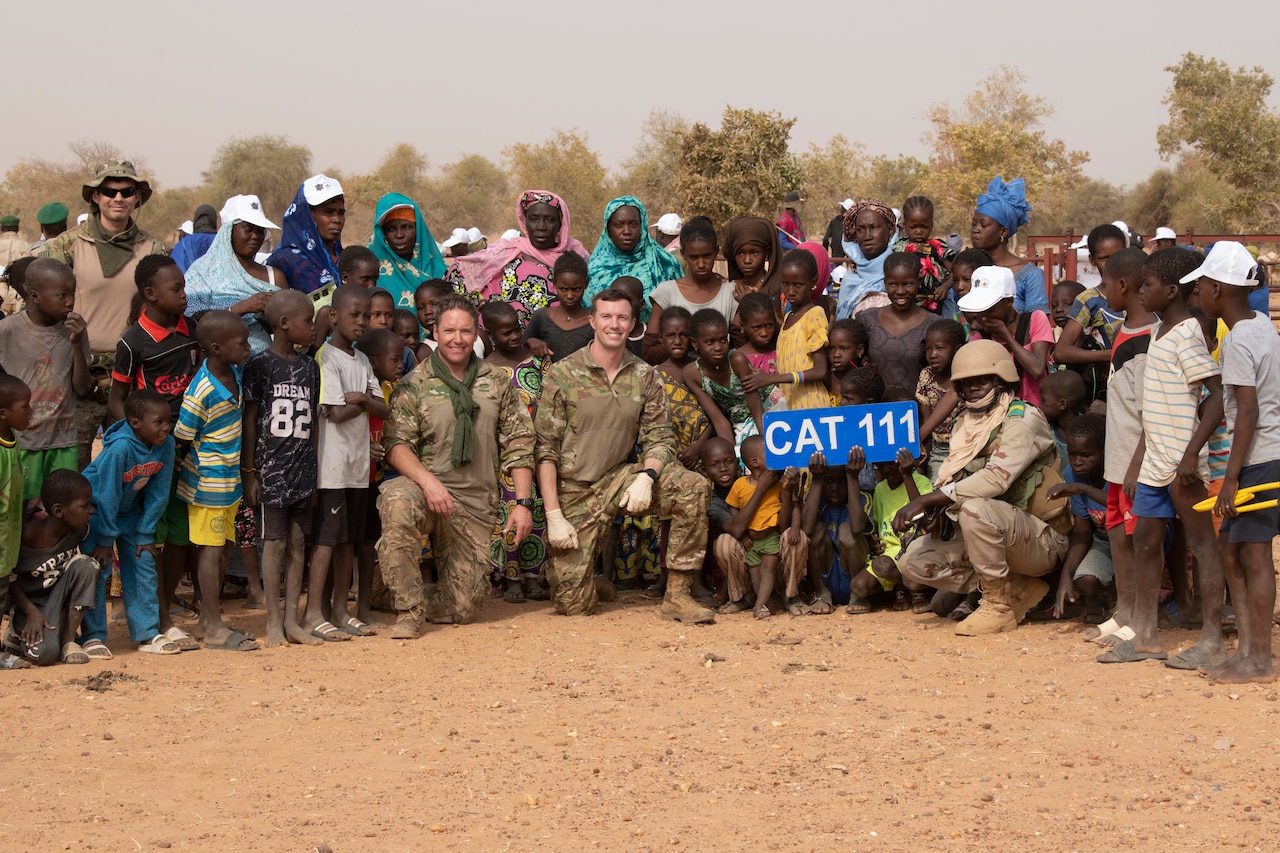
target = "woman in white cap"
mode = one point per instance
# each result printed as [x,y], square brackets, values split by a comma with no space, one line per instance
[312,238]
[228,277]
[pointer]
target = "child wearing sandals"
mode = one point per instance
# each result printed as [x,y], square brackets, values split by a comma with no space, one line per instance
[1087,569]
[899,484]
[836,551]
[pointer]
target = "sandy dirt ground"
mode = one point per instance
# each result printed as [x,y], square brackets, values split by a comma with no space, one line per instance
[621,732]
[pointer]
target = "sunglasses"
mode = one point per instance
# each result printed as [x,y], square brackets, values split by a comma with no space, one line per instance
[112,192]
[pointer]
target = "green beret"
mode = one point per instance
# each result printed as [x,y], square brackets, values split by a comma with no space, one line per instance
[52,213]
[9,220]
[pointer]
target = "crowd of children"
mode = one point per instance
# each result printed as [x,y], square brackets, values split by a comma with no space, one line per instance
[1149,380]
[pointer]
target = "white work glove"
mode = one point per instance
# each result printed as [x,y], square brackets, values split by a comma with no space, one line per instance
[560,533]
[636,498]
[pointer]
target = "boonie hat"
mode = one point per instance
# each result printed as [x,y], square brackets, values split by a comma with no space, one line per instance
[459,237]
[122,169]
[1228,262]
[1165,233]
[990,285]
[245,208]
[52,213]
[670,224]
[318,189]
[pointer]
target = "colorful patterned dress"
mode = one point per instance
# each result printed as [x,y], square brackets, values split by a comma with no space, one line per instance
[688,421]
[507,560]
[526,286]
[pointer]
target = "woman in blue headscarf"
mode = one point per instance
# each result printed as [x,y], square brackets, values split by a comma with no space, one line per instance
[998,215]
[627,248]
[407,253]
[870,227]
[312,235]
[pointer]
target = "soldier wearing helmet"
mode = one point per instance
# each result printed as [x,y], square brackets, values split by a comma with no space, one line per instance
[998,532]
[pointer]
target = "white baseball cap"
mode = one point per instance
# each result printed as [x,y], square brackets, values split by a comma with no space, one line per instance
[990,285]
[670,224]
[847,204]
[383,218]
[80,220]
[1128,241]
[1228,262]
[187,227]
[474,235]
[318,189]
[1165,233]
[459,237]
[511,234]
[245,208]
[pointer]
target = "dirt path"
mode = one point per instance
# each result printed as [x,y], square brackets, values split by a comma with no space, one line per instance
[625,733]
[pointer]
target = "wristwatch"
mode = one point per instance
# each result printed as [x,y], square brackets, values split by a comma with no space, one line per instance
[527,503]
[652,473]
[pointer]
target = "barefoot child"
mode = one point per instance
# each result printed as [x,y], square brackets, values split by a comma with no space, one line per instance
[723,469]
[349,394]
[899,484]
[281,402]
[131,479]
[1087,569]
[1251,378]
[209,480]
[15,414]
[52,584]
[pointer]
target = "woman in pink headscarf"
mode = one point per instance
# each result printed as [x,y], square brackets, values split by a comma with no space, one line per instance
[518,271]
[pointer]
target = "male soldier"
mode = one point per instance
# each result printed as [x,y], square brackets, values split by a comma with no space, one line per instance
[12,245]
[456,424]
[103,252]
[53,221]
[596,406]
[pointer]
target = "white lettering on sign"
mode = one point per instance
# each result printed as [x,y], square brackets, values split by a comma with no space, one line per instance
[773,429]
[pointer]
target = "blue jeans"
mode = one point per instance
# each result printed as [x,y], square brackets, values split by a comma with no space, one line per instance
[138,582]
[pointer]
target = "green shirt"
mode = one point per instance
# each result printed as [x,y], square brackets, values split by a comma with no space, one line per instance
[10,505]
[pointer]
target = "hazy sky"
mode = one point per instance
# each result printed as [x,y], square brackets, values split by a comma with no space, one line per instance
[349,79]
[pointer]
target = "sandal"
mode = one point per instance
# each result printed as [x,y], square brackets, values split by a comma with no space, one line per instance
[535,592]
[160,645]
[514,595]
[180,638]
[356,628]
[735,606]
[821,607]
[11,661]
[762,611]
[95,649]
[858,606]
[797,607]
[329,632]
[919,602]
[901,601]
[72,653]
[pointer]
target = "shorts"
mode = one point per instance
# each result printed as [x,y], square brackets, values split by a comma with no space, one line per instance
[1097,562]
[212,525]
[246,525]
[1215,489]
[174,527]
[341,515]
[38,464]
[885,585]
[1260,525]
[761,548]
[277,520]
[1119,509]
[1153,502]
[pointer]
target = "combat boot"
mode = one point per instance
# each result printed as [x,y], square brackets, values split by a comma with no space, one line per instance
[994,614]
[678,604]
[409,625]
[1025,593]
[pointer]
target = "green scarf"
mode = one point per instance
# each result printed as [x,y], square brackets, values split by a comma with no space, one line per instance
[464,407]
[114,250]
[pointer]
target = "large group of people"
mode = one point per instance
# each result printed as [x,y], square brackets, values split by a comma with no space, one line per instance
[422,426]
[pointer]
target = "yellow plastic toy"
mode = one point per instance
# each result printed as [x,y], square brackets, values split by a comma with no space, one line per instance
[1244,498]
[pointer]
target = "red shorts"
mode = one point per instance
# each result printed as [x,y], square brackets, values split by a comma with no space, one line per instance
[1120,509]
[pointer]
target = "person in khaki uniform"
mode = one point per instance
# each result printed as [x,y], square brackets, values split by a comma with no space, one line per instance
[103,252]
[598,405]
[12,246]
[992,485]
[456,425]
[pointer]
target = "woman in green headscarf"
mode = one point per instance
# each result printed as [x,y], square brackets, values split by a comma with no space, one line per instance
[627,248]
[407,253]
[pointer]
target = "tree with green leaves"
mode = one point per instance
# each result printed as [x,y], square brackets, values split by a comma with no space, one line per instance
[744,167]
[647,173]
[565,165]
[270,167]
[474,191]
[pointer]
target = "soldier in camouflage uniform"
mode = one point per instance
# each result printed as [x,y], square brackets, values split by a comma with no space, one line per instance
[597,406]
[450,471]
[1003,460]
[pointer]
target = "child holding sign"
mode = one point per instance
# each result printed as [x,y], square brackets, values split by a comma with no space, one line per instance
[899,484]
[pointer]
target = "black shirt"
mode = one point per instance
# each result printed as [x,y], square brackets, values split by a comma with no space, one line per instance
[151,356]
[288,396]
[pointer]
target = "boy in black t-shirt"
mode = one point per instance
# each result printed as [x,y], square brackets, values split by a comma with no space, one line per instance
[281,396]
[161,352]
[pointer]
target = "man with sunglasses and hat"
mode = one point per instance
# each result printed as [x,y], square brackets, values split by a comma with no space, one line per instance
[103,251]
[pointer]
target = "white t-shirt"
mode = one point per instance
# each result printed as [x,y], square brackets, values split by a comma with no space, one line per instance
[1251,357]
[1176,366]
[668,293]
[344,447]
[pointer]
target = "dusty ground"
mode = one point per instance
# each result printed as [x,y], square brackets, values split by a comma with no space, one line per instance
[530,731]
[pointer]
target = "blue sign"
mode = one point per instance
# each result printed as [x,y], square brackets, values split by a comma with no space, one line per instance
[880,429]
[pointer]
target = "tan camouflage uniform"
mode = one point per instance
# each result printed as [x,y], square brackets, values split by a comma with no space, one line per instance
[422,419]
[997,535]
[589,429]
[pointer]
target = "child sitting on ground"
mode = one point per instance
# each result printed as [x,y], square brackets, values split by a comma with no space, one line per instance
[52,584]
[46,346]
[130,479]
[15,414]
[281,403]
[720,465]
[760,513]
[836,551]
[899,484]
[1087,569]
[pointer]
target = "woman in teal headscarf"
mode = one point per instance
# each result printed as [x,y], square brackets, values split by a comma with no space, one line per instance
[407,253]
[627,248]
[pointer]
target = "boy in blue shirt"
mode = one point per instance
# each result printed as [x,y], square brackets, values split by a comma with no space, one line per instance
[1087,569]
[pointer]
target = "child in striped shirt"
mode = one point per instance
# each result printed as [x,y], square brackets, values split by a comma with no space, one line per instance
[209,481]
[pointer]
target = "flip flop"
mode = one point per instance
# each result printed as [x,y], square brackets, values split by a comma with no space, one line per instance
[1122,634]
[72,653]
[236,641]
[11,661]
[762,612]
[858,607]
[1124,652]
[514,596]
[1192,657]
[329,632]
[735,606]
[180,638]
[821,607]
[537,593]
[901,603]
[356,628]
[919,603]
[96,649]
